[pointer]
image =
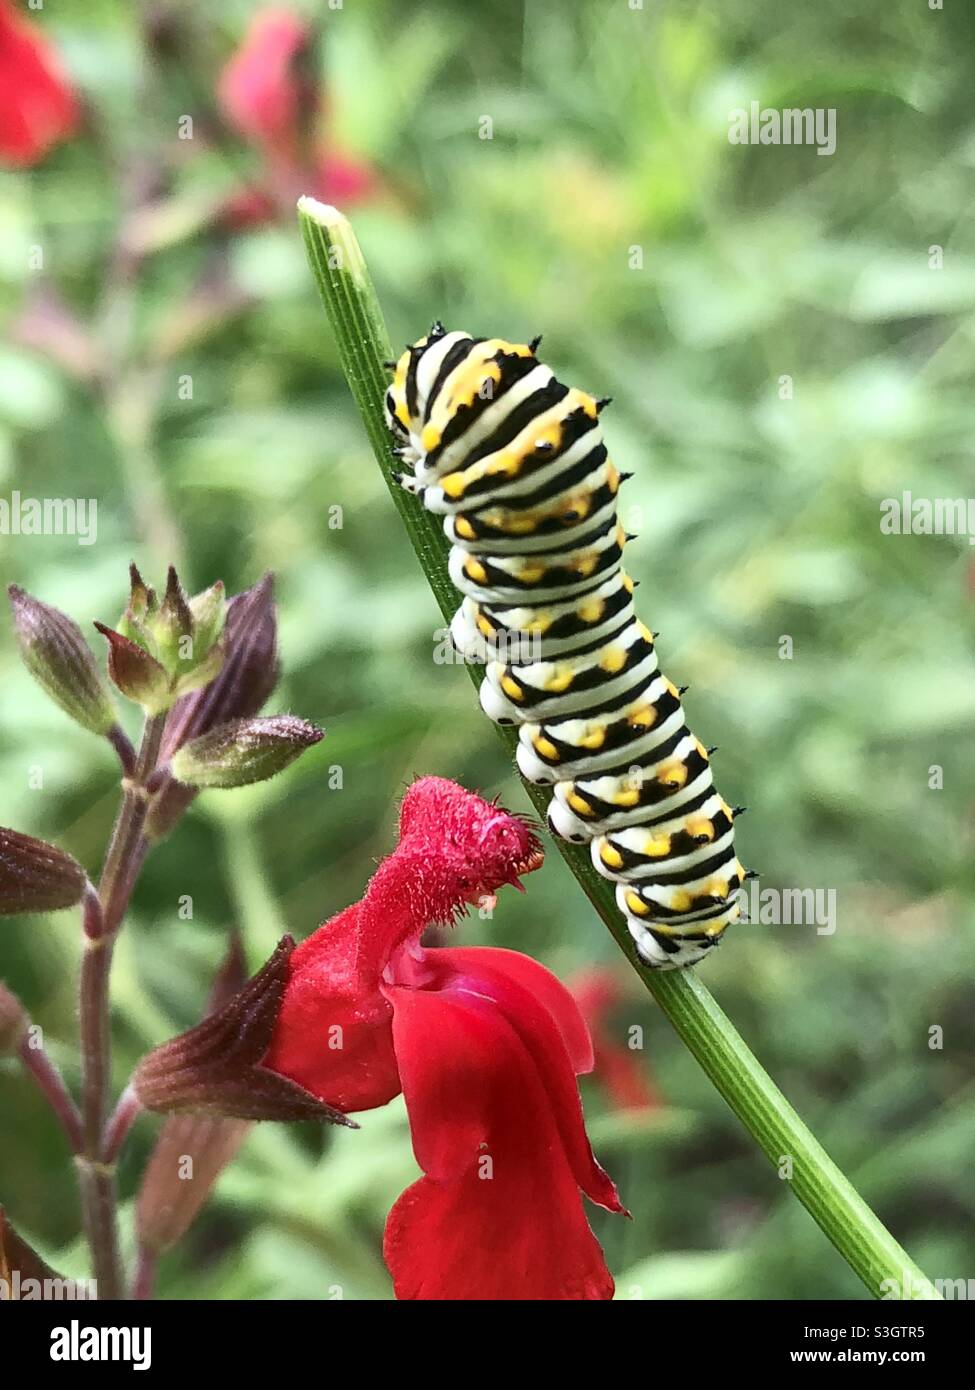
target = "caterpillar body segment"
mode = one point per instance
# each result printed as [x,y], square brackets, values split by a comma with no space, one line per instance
[514,461]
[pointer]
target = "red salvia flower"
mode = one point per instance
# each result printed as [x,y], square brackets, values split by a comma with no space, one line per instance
[37,105]
[269,94]
[259,91]
[485,1045]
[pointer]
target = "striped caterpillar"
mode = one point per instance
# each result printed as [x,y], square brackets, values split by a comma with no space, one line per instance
[515,463]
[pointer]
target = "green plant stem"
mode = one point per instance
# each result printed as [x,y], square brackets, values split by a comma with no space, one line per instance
[871,1251]
[103,914]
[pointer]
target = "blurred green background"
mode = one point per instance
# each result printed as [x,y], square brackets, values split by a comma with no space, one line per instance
[758,517]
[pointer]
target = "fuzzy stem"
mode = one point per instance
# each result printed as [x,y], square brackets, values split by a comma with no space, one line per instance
[145,1273]
[350,301]
[102,918]
[51,1083]
[125,1114]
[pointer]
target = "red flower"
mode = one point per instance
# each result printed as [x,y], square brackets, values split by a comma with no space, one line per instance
[485,1045]
[37,106]
[598,993]
[259,92]
[267,93]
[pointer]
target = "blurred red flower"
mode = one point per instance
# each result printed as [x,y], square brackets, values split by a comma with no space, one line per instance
[269,94]
[598,992]
[485,1045]
[37,104]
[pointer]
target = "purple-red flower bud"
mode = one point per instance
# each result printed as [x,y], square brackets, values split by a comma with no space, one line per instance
[58,657]
[216,1067]
[36,876]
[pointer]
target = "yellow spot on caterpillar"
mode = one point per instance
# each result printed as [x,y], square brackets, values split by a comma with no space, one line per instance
[430,438]
[531,574]
[645,632]
[577,510]
[672,775]
[643,718]
[620,537]
[611,857]
[593,740]
[548,440]
[580,805]
[626,797]
[592,611]
[716,888]
[545,748]
[541,623]
[454,485]
[584,565]
[613,660]
[484,627]
[700,749]
[656,846]
[612,478]
[627,582]
[402,414]
[671,689]
[585,401]
[560,680]
[464,529]
[507,464]
[681,901]
[517,525]
[467,381]
[511,688]
[475,571]
[700,825]
[636,905]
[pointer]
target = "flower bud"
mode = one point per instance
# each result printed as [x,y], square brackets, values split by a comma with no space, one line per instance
[58,657]
[14,1022]
[248,750]
[246,679]
[172,628]
[36,876]
[209,610]
[135,673]
[190,1154]
[179,641]
[215,1068]
[192,1150]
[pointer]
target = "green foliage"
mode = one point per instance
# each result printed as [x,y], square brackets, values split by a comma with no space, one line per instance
[759,518]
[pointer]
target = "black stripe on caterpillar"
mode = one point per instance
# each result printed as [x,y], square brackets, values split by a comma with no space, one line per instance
[515,463]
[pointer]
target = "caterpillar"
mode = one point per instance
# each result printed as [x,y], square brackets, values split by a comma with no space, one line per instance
[515,463]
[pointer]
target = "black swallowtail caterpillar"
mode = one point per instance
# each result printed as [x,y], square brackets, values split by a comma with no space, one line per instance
[516,464]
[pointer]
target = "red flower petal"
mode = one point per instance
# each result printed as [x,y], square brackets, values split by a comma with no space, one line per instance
[341,179]
[550,992]
[491,975]
[500,1215]
[258,90]
[333,1033]
[37,105]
